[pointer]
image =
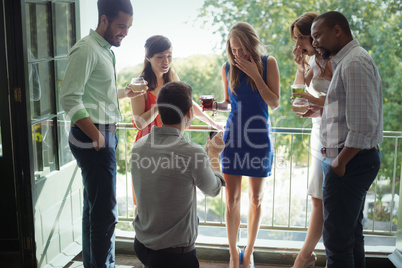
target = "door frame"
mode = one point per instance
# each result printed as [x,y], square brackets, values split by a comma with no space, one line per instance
[16,161]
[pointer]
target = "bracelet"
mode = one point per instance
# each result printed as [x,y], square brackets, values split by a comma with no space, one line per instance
[261,90]
[216,105]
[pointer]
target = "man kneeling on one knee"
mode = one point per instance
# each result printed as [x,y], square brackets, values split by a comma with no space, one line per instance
[166,169]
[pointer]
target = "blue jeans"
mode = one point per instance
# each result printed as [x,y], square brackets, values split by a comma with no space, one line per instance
[99,217]
[343,201]
[154,259]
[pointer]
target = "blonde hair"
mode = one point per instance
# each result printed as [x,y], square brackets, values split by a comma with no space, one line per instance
[246,35]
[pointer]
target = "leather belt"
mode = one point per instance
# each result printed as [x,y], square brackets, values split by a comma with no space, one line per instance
[102,127]
[178,250]
[333,152]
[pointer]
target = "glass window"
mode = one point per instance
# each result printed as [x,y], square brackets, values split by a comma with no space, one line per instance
[41,88]
[64,28]
[65,154]
[60,70]
[50,35]
[43,147]
[35,90]
[38,30]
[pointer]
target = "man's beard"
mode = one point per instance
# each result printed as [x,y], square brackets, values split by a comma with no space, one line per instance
[109,37]
[326,55]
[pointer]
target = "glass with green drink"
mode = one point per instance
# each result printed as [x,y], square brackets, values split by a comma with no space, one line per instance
[298,88]
[299,105]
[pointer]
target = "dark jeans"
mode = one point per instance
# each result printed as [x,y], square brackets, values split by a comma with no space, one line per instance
[154,259]
[343,201]
[99,217]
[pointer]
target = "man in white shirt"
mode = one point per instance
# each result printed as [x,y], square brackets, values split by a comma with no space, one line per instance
[351,129]
[166,170]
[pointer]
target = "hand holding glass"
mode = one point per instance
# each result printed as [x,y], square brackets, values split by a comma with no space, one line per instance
[300,105]
[208,102]
[138,84]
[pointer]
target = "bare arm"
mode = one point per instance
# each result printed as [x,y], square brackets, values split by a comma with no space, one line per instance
[272,94]
[225,104]
[127,92]
[214,148]
[311,99]
[300,59]
[269,89]
[141,117]
[121,93]
[204,117]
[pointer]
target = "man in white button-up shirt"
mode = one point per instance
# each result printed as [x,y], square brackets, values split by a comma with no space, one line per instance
[351,129]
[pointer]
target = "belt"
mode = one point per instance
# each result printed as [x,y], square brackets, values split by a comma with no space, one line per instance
[333,152]
[178,250]
[102,127]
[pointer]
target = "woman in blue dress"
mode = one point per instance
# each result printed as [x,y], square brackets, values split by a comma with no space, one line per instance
[251,82]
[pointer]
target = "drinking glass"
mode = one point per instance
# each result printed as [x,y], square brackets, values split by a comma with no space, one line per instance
[208,102]
[138,84]
[300,105]
[298,88]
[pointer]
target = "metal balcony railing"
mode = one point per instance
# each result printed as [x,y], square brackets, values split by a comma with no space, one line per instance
[286,205]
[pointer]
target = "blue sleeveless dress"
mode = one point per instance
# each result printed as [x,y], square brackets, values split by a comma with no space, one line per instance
[248,148]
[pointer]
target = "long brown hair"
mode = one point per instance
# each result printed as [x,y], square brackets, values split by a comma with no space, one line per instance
[303,24]
[154,45]
[249,41]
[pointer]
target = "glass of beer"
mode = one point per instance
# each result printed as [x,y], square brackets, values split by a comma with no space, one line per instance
[300,105]
[208,102]
[138,84]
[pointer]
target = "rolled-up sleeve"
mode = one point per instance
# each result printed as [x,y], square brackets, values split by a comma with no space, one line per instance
[79,66]
[362,103]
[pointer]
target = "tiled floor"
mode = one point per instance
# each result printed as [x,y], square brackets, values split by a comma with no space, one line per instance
[131,261]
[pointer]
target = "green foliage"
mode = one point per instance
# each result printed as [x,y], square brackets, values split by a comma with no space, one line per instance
[202,73]
[375,23]
[378,33]
[381,212]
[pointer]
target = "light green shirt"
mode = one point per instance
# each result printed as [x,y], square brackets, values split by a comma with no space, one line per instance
[89,87]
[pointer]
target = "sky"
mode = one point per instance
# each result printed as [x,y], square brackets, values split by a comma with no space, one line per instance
[175,19]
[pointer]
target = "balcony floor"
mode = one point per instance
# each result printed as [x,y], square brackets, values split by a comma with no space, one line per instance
[131,261]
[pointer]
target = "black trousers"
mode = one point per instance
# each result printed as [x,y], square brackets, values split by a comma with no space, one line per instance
[155,259]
